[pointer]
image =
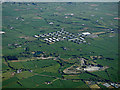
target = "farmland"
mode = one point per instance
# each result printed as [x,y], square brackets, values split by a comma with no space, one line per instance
[55,45]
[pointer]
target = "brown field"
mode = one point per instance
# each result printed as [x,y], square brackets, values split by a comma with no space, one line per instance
[37,17]
[27,37]
[111,87]
[86,28]
[83,29]
[80,30]
[94,86]
[35,8]
[116,18]
[93,5]
[109,14]
[19,9]
[43,28]
[98,32]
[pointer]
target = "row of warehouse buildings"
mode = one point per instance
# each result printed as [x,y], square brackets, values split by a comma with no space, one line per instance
[62,35]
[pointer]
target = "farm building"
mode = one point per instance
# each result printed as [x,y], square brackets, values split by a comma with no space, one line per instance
[36,36]
[86,33]
[91,68]
[107,85]
[51,23]
[1,32]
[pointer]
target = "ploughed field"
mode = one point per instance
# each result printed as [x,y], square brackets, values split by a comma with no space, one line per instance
[32,61]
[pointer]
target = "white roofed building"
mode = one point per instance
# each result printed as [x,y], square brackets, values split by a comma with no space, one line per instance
[36,36]
[1,32]
[86,33]
[51,23]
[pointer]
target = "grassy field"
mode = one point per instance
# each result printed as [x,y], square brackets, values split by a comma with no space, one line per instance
[21,21]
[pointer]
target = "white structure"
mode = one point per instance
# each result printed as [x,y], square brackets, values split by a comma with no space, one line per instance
[11,27]
[54,38]
[86,33]
[82,38]
[50,41]
[36,36]
[51,23]
[50,38]
[83,24]
[1,32]
[84,41]
[57,39]
[22,19]
[64,37]
[91,68]
[46,39]
[72,14]
[17,18]
[18,71]
[66,17]
[107,85]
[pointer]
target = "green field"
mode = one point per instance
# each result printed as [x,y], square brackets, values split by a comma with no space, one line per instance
[22,64]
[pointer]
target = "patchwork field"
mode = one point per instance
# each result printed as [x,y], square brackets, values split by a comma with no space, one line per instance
[29,61]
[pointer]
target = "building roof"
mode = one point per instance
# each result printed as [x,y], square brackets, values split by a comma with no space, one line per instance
[51,23]
[1,32]
[36,36]
[106,84]
[85,33]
